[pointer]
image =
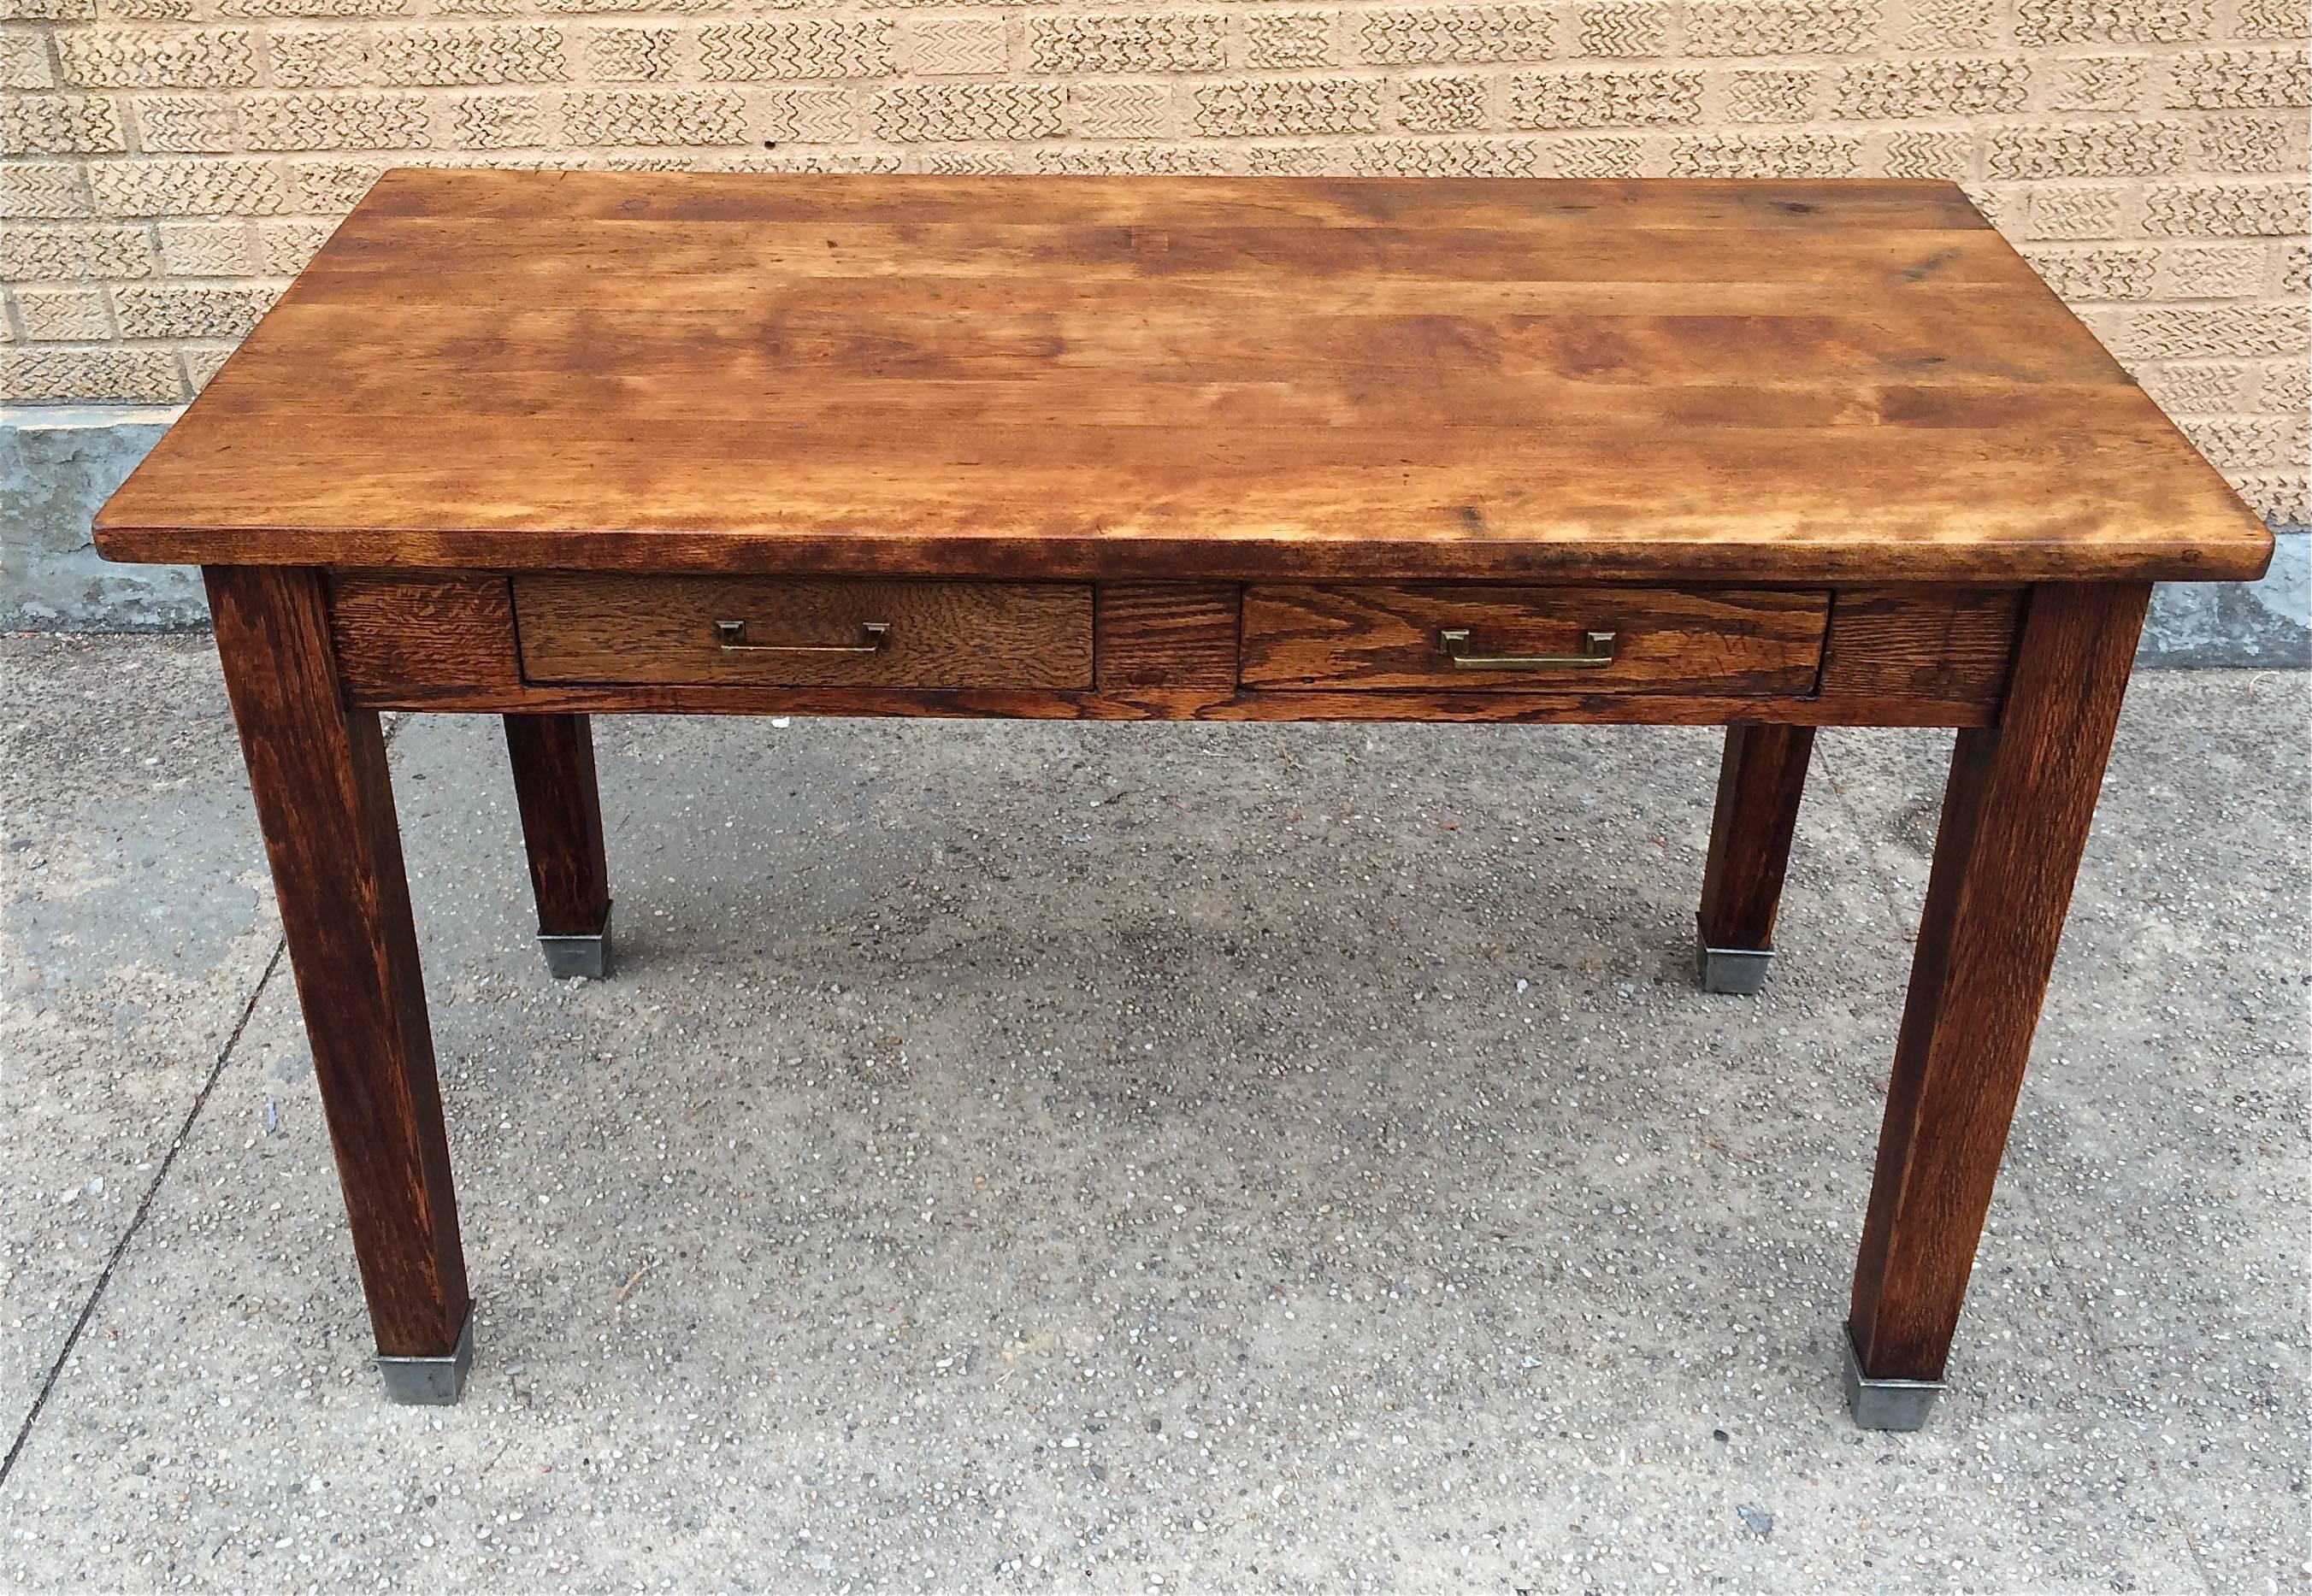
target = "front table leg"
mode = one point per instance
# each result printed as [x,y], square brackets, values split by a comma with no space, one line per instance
[318,771]
[2015,820]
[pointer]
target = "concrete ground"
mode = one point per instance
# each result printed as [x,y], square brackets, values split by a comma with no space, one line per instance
[1036,1157]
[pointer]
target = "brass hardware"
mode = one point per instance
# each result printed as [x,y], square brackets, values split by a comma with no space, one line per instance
[732,635]
[1597,648]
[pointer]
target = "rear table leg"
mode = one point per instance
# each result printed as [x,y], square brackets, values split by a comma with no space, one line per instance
[1760,782]
[562,828]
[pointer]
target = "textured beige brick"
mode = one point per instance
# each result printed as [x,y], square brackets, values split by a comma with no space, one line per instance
[1780,27]
[1441,103]
[498,121]
[64,315]
[2295,267]
[2085,213]
[36,252]
[2212,271]
[43,190]
[2113,273]
[621,55]
[510,53]
[318,57]
[2226,210]
[187,123]
[336,122]
[35,11]
[163,58]
[24,62]
[2004,206]
[1287,107]
[1929,152]
[2213,332]
[95,375]
[2180,387]
[2083,150]
[1584,99]
[1278,41]
[806,48]
[954,47]
[284,248]
[2239,442]
[822,115]
[964,113]
[1102,43]
[205,249]
[1456,34]
[2278,496]
[655,117]
[2252,143]
[189,310]
[1626,29]
[1779,94]
[1444,158]
[2285,386]
[1119,111]
[311,8]
[2213,80]
[1766,155]
[2285,20]
[1130,160]
[202,362]
[334,186]
[147,11]
[969,163]
[187,187]
[59,125]
[1297,161]
[2098,83]
[1935,26]
[1883,91]
[1596,158]
[2108,22]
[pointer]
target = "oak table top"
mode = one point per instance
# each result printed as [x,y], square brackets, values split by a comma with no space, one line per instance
[1804,381]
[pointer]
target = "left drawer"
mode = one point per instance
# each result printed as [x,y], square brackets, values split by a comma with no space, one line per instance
[802,632]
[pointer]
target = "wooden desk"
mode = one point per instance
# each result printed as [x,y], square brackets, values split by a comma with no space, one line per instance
[1767,455]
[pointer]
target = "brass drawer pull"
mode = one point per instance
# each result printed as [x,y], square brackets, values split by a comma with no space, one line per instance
[732,635]
[1596,650]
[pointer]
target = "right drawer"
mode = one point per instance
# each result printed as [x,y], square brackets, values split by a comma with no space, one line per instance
[1714,643]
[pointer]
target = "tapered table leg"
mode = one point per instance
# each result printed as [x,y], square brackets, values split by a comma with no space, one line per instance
[2015,819]
[1761,778]
[553,758]
[318,774]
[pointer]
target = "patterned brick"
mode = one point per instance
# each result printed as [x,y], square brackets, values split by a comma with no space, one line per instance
[97,375]
[1628,29]
[2101,21]
[826,114]
[40,11]
[1596,158]
[2215,79]
[2280,497]
[337,122]
[2227,210]
[1185,42]
[283,248]
[1442,158]
[2283,19]
[1119,111]
[188,188]
[205,249]
[508,54]
[318,57]
[1130,160]
[2237,442]
[59,125]
[1937,25]
[498,121]
[177,58]
[204,362]
[2089,213]
[147,11]
[311,8]
[1604,99]
[187,123]
[631,54]
[2180,387]
[808,47]
[1296,160]
[1442,103]
[186,311]
[1766,156]
[33,252]
[24,62]
[1937,152]
[1278,41]
[2252,143]
[955,47]
[962,113]
[64,315]
[654,117]
[2286,386]
[1780,27]
[2212,271]
[2214,332]
[1287,107]
[1775,95]
[2106,274]
[969,163]
[2083,150]
[2097,84]
[1454,34]
[331,187]
[2295,267]
[43,190]
[1886,91]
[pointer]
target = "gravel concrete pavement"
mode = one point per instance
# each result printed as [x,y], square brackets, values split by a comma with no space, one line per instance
[1038,1157]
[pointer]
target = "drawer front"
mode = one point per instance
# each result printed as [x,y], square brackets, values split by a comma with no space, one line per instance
[802,632]
[1481,637]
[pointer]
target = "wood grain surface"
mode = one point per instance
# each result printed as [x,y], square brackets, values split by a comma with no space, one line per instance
[1179,378]
[1761,782]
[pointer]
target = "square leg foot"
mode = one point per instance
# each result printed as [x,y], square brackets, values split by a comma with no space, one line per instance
[1741,972]
[586,955]
[430,1382]
[1886,1404]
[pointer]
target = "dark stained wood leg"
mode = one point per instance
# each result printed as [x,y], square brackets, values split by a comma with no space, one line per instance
[318,774]
[561,827]
[1760,780]
[2015,819]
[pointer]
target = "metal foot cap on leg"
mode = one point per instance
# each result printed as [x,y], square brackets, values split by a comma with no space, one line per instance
[1739,972]
[430,1382]
[586,957]
[1886,1404]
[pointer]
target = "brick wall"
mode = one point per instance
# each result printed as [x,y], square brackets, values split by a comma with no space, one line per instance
[169,163]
